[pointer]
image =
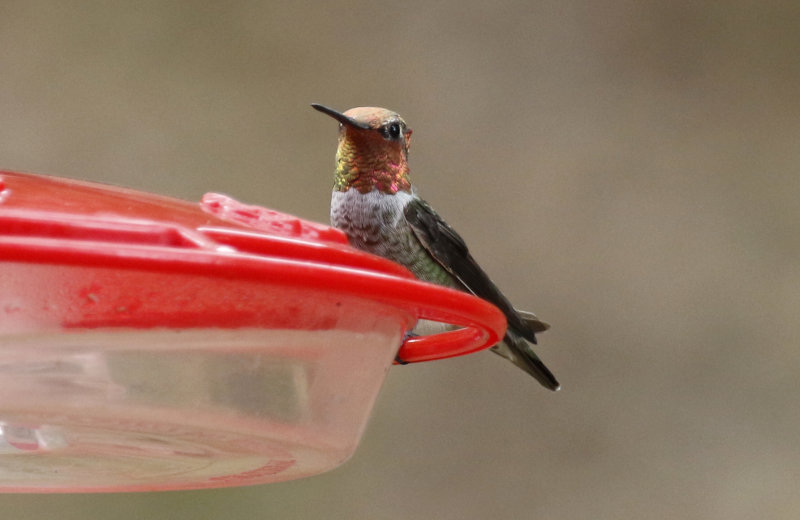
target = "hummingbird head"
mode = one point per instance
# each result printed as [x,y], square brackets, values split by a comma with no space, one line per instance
[373,150]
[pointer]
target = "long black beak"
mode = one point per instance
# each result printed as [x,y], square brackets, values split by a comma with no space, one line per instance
[340,117]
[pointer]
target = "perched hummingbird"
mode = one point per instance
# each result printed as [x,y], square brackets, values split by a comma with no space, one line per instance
[374,203]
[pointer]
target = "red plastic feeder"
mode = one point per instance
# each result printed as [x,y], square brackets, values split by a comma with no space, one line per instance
[148,343]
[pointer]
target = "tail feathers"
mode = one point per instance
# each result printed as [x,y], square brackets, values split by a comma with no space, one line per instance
[532,322]
[518,350]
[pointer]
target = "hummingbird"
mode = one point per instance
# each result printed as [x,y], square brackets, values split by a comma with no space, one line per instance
[376,206]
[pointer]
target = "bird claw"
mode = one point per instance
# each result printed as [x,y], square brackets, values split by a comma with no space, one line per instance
[406,337]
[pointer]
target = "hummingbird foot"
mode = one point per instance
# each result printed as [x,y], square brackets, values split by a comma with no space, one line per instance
[397,357]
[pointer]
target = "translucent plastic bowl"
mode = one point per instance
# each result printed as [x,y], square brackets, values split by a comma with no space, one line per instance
[148,343]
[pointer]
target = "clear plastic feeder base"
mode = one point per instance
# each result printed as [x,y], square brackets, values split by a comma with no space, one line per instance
[101,411]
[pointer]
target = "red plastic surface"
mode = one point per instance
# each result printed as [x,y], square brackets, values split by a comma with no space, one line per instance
[54,221]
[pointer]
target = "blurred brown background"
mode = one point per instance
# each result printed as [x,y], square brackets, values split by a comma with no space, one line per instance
[628,170]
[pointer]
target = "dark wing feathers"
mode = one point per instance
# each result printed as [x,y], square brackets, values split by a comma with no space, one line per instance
[450,251]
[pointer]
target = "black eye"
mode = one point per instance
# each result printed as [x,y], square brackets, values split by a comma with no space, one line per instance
[391,131]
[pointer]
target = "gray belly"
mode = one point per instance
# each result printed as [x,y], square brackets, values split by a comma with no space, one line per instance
[374,222]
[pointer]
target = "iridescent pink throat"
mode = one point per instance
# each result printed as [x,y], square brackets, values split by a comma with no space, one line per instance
[367,172]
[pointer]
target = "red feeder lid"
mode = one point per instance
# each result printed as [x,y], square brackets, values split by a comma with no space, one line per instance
[49,220]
